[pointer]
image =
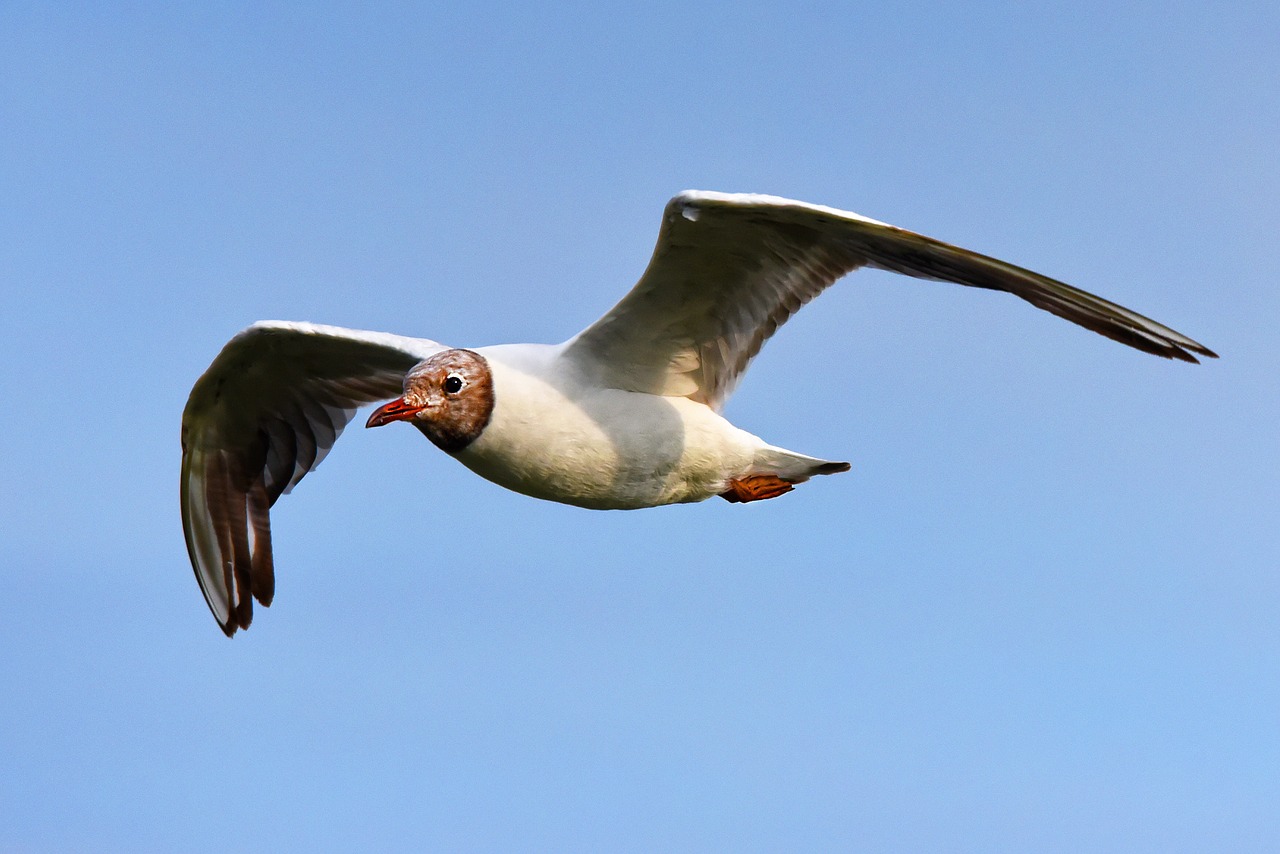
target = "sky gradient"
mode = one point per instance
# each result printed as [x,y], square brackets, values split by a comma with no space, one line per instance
[1039,614]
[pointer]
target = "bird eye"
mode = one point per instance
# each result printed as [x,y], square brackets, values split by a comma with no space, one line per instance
[452,384]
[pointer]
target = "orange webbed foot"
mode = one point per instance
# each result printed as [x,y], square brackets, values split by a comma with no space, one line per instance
[755,487]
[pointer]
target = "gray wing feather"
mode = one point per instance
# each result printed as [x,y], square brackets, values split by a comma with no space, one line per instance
[263,415]
[729,270]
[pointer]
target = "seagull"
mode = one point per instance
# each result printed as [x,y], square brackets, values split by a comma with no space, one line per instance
[624,415]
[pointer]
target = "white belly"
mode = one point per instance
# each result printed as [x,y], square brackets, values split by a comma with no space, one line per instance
[604,448]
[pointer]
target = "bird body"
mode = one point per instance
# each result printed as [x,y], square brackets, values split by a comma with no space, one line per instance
[555,435]
[624,415]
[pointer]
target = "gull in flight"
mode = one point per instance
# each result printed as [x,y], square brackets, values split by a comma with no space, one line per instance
[626,414]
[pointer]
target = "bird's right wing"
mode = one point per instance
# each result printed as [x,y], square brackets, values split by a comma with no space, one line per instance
[263,415]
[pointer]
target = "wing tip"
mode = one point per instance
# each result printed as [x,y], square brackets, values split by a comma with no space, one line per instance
[1204,351]
[1183,349]
[240,617]
[227,528]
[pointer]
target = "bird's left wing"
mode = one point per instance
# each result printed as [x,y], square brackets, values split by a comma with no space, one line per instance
[263,415]
[729,270]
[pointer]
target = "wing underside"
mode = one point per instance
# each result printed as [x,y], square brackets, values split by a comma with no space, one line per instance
[261,417]
[729,270]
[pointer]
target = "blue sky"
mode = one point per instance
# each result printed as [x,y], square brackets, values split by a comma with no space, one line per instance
[1039,614]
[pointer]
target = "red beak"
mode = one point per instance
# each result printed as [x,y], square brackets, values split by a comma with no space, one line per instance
[396,410]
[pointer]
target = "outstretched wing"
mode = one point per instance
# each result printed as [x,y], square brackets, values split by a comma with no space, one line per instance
[728,270]
[263,415]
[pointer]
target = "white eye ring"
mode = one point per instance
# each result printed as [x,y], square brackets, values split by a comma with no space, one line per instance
[453,384]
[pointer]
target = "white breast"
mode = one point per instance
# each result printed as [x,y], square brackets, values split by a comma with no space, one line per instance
[553,436]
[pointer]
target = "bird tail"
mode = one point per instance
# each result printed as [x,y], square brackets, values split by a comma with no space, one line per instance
[793,467]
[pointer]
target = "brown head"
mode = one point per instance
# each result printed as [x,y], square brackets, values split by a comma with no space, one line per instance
[449,397]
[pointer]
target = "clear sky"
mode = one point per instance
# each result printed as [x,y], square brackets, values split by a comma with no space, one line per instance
[1042,613]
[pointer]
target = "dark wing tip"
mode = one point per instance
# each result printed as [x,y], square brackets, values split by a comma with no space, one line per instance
[228,527]
[1183,347]
[1205,351]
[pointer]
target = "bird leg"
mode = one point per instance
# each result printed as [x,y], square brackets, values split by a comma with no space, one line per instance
[755,487]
